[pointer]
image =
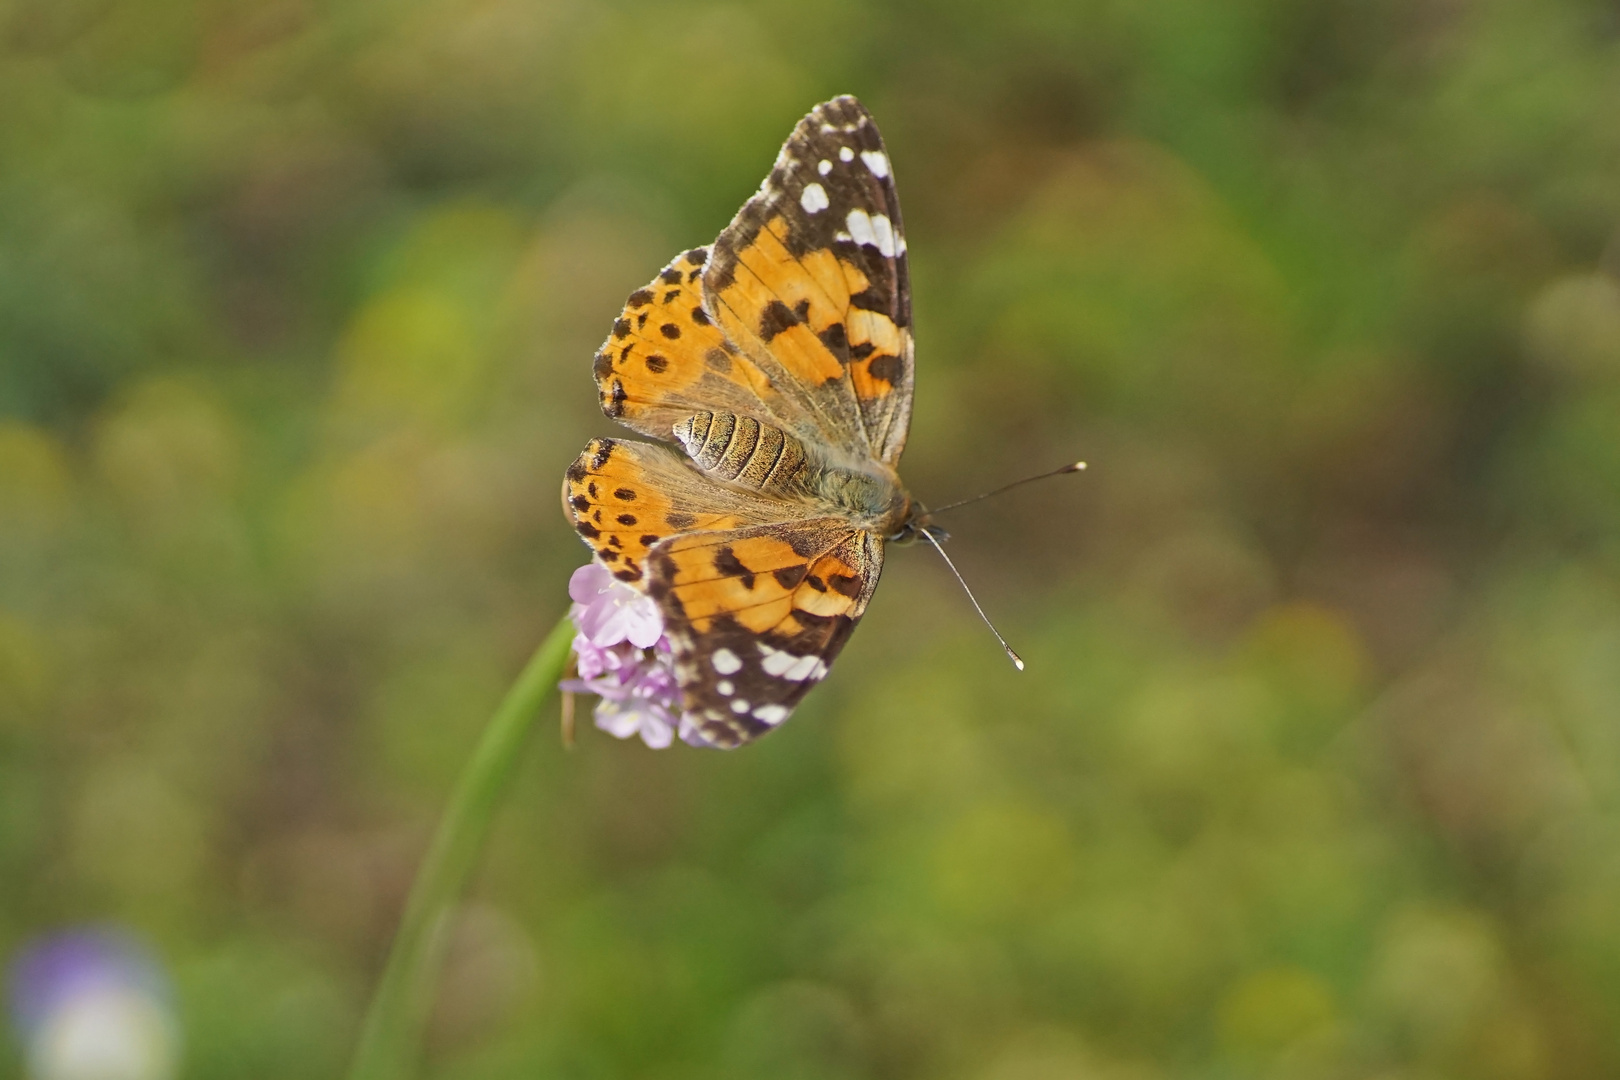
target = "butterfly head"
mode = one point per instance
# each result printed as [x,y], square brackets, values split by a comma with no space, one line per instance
[915,525]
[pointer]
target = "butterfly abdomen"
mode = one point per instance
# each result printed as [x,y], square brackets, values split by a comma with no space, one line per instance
[743,450]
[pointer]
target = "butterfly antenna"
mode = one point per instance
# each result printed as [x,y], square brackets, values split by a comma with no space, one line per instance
[1078,466]
[1018,661]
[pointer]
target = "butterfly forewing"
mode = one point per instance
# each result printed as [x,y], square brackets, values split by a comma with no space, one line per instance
[811,278]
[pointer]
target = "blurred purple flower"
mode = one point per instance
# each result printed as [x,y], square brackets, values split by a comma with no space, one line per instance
[624,658]
[93,1004]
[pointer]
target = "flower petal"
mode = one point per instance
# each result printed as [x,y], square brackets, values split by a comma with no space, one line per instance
[587,583]
[656,733]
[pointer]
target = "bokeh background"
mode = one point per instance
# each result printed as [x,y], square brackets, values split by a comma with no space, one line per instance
[1315,768]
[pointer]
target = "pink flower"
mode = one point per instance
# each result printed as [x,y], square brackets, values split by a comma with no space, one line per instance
[608,611]
[624,658]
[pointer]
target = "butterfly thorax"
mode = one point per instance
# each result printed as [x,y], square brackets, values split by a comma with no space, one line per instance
[764,458]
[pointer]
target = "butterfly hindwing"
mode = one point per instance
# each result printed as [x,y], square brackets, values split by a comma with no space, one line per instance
[811,282]
[623,497]
[756,616]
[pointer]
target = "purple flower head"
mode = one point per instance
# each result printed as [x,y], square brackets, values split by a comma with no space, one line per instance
[624,658]
[607,611]
[93,1003]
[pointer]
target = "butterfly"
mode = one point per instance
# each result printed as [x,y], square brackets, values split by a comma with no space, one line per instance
[778,362]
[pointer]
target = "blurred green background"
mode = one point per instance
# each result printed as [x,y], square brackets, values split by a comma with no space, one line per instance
[1315,771]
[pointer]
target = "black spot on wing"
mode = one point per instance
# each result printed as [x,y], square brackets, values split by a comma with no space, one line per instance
[727,563]
[886,367]
[776,318]
[836,340]
[616,396]
[846,585]
[789,576]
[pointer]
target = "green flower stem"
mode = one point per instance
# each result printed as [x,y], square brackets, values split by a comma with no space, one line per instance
[392,1033]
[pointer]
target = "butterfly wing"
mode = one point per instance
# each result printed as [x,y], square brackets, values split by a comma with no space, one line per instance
[665,360]
[810,281]
[623,497]
[755,606]
[756,616]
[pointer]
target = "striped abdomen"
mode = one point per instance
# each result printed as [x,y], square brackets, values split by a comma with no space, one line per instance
[740,448]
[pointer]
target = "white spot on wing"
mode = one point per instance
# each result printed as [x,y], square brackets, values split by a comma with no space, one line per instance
[726,662]
[873,230]
[860,227]
[725,687]
[784,665]
[802,668]
[824,167]
[771,714]
[884,234]
[739,706]
[814,199]
[845,154]
[776,662]
[876,161]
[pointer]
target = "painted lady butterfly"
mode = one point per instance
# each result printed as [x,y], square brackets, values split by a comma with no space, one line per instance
[779,358]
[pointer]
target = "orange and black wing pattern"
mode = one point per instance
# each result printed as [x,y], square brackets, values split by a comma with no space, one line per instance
[810,282]
[623,497]
[665,359]
[757,615]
